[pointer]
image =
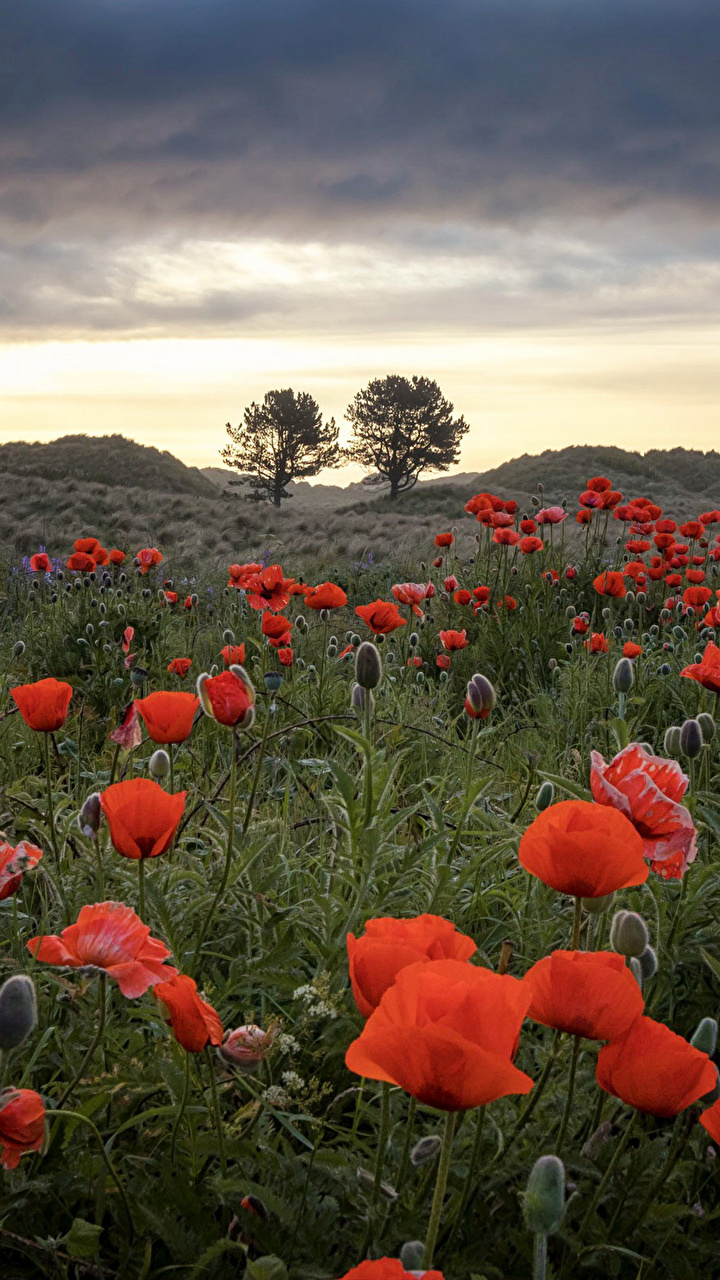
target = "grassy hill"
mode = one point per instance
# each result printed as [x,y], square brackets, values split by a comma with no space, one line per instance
[132,496]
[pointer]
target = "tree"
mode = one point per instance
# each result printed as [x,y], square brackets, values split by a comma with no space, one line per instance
[280,440]
[402,427]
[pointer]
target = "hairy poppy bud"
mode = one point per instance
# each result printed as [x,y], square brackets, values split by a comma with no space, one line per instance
[679,634]
[273,679]
[629,625]
[414,640]
[18,1011]
[596,906]
[545,796]
[671,741]
[636,971]
[628,933]
[480,697]
[544,1197]
[368,666]
[691,739]
[665,615]
[411,1255]
[705,1036]
[228,636]
[707,726]
[246,1048]
[426,1150]
[648,963]
[138,676]
[597,1140]
[89,816]
[300,623]
[18,649]
[358,697]
[159,765]
[367,1179]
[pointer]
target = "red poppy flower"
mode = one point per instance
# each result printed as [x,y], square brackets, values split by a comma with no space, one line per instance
[168,716]
[482,502]
[443,661]
[598,643]
[528,526]
[14,862]
[228,699]
[44,704]
[100,556]
[285,656]
[501,520]
[529,545]
[583,517]
[88,546]
[454,640]
[585,849]
[326,596]
[631,650]
[707,671]
[147,558]
[710,1120]
[116,556]
[648,790]
[691,529]
[638,546]
[598,484]
[506,602]
[22,1125]
[551,515]
[240,573]
[180,666]
[128,733]
[609,583]
[277,628]
[194,1022]
[415,661]
[40,563]
[386,1269]
[268,589]
[585,993]
[142,817]
[381,616]
[506,537]
[234,654]
[451,582]
[444,539]
[79,562]
[446,1032]
[462,596]
[481,594]
[389,945]
[110,937]
[411,594]
[696,576]
[654,1070]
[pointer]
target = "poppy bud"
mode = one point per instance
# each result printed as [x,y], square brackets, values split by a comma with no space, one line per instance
[18,1011]
[648,963]
[691,739]
[628,933]
[665,615]
[414,639]
[332,651]
[679,634]
[89,816]
[444,677]
[705,1036]
[596,906]
[630,597]
[597,1140]
[228,636]
[665,669]
[357,697]
[246,1048]
[90,630]
[545,796]
[273,679]
[480,697]
[606,614]
[367,1179]
[641,597]
[368,666]
[138,676]
[300,623]
[544,1197]
[636,971]
[18,649]
[159,765]
[629,625]
[426,1150]
[411,1255]
[707,726]
[671,741]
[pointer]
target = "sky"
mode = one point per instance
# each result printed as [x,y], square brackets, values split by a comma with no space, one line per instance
[201,200]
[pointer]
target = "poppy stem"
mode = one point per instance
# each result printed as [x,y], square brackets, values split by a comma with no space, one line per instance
[171,754]
[216,1113]
[600,1189]
[382,1141]
[676,1149]
[577,923]
[102,985]
[141,889]
[540,1257]
[570,1093]
[407,1145]
[228,855]
[440,1185]
[78,1116]
[534,1098]
[50,804]
[181,1108]
[469,1179]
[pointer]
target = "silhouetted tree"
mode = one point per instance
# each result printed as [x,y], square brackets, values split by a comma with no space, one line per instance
[402,427]
[280,440]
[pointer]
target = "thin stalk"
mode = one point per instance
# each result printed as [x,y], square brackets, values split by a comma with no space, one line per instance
[216,1113]
[181,1109]
[141,889]
[534,1098]
[382,1141]
[102,985]
[676,1149]
[228,856]
[50,803]
[604,1181]
[78,1116]
[443,1170]
[570,1093]
[577,924]
[540,1257]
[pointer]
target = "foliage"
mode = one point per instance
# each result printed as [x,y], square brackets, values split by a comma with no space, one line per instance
[282,439]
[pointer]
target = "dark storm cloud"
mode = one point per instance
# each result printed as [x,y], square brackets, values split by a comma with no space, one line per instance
[124,120]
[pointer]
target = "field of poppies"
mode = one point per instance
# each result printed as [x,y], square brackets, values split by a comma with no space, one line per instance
[371,927]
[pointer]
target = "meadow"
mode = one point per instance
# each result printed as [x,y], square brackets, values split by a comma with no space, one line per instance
[412,973]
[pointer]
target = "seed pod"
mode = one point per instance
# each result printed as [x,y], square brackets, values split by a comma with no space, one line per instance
[138,676]
[89,816]
[426,1150]
[545,796]
[691,739]
[544,1197]
[648,963]
[671,741]
[629,933]
[707,726]
[18,1011]
[368,666]
[159,764]
[705,1036]
[273,680]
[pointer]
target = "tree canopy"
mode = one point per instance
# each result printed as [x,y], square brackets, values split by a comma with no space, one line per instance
[402,427]
[280,440]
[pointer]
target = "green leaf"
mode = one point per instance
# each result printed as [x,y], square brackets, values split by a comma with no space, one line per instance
[83,1239]
[267,1268]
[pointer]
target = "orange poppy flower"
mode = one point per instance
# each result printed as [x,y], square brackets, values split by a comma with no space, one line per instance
[44,704]
[326,596]
[585,993]
[168,716]
[286,656]
[180,666]
[631,650]
[268,589]
[597,643]
[116,556]
[453,640]
[381,616]
[40,562]
[506,537]
[706,672]
[412,593]
[389,945]
[100,556]
[147,558]
[228,699]
[142,817]
[14,862]
[110,937]
[386,1269]
[277,628]
[710,1120]
[648,790]
[79,562]
[610,583]
[194,1022]
[445,539]
[584,849]
[654,1070]
[691,529]
[443,661]
[86,545]
[446,1032]
[583,517]
[22,1125]
[462,596]
[239,574]
[529,546]
[234,654]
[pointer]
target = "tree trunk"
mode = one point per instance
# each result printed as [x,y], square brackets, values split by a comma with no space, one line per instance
[393,488]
